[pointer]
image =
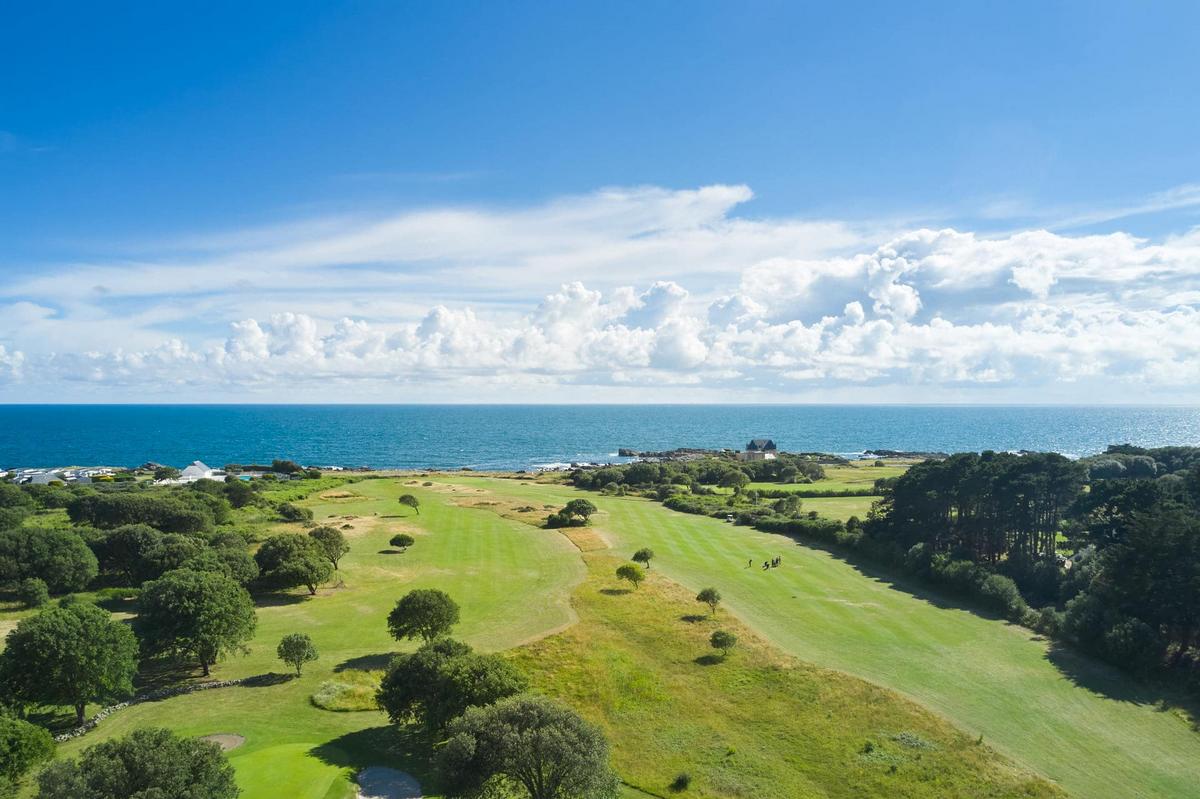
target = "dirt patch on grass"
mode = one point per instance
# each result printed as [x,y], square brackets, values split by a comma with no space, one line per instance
[339,495]
[225,740]
[586,539]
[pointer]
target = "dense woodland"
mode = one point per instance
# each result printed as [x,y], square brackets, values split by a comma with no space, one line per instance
[1102,553]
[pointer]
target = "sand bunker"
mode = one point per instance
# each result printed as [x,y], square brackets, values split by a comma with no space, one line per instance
[378,782]
[226,741]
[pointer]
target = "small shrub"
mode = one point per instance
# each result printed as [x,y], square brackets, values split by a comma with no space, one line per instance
[351,692]
[33,592]
[681,782]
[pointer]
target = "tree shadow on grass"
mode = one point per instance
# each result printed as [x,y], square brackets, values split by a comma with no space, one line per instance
[1107,680]
[391,552]
[709,660]
[366,662]
[1081,669]
[615,591]
[266,680]
[693,618]
[275,599]
[408,748]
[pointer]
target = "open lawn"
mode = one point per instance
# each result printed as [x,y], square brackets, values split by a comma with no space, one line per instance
[1080,723]
[841,508]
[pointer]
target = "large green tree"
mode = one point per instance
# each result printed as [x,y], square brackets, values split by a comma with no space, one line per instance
[22,746]
[69,655]
[441,680]
[148,763]
[205,615]
[60,557]
[292,559]
[424,613]
[331,542]
[528,746]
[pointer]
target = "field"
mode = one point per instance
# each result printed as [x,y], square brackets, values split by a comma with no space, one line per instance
[1077,722]
[771,721]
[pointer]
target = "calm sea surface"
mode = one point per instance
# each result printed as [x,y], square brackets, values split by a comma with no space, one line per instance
[507,436]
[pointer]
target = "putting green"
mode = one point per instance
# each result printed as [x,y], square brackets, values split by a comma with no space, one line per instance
[289,770]
[1080,723]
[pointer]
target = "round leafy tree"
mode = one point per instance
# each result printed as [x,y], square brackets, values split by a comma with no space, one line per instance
[424,613]
[531,742]
[331,542]
[69,655]
[297,649]
[631,572]
[22,746]
[710,597]
[410,501]
[402,541]
[643,556]
[150,762]
[291,559]
[205,615]
[723,640]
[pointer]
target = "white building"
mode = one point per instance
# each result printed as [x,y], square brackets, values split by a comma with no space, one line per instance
[198,471]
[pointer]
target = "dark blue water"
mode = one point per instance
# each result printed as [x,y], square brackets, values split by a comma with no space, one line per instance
[506,436]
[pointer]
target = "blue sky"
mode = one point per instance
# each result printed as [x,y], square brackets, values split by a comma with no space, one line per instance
[434,175]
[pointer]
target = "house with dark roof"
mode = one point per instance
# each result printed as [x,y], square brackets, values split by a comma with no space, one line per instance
[759,449]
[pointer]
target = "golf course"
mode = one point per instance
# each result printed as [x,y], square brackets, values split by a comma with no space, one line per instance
[841,683]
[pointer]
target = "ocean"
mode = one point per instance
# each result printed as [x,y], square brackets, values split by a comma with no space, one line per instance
[529,436]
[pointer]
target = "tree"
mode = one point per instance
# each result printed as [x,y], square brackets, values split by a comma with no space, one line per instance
[441,680]
[531,743]
[60,557]
[723,640]
[710,597]
[69,655]
[291,559]
[33,592]
[403,541]
[581,508]
[631,572]
[297,649]
[331,542]
[22,746]
[423,613]
[166,473]
[202,614]
[148,763]
[239,492]
[411,501]
[643,556]
[735,479]
[232,562]
[294,513]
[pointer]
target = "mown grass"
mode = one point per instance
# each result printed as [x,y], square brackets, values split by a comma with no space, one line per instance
[1092,729]
[757,723]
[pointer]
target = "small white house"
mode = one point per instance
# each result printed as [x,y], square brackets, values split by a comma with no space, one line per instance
[197,471]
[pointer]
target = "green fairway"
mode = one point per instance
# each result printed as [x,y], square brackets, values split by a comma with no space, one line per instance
[989,677]
[841,508]
[512,581]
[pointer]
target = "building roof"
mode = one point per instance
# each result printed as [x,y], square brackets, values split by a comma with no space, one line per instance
[198,468]
[760,444]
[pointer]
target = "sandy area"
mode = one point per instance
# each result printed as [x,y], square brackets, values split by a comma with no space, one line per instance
[224,740]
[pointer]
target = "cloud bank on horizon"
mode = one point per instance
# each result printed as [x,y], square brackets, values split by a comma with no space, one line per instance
[637,294]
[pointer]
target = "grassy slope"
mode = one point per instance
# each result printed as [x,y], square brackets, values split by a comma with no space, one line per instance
[511,580]
[990,678]
[757,724]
